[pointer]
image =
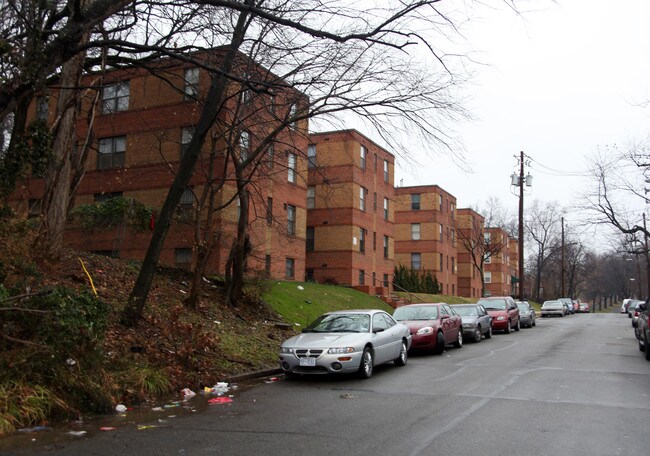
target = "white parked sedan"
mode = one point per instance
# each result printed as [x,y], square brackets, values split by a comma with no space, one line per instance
[350,341]
[550,308]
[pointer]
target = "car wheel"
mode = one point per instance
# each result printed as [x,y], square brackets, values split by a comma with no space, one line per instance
[641,347]
[365,368]
[533,323]
[478,335]
[508,329]
[459,339]
[517,326]
[647,350]
[488,334]
[440,344]
[403,355]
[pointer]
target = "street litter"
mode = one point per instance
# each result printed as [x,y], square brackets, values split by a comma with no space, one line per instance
[347,396]
[35,429]
[219,400]
[220,388]
[107,428]
[120,408]
[157,409]
[77,433]
[143,427]
[188,393]
[300,287]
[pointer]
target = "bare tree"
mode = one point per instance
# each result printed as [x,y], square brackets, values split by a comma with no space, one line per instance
[542,225]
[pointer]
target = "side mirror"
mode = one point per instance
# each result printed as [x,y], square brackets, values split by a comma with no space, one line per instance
[444,317]
[377,330]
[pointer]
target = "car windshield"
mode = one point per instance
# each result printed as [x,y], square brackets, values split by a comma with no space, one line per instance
[552,304]
[355,323]
[523,306]
[494,304]
[466,311]
[416,313]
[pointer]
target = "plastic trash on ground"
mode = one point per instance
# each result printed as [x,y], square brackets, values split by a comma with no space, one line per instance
[188,393]
[120,408]
[219,400]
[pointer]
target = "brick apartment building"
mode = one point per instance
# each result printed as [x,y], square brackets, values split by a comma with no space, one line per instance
[144,121]
[350,211]
[513,265]
[470,227]
[497,269]
[425,233]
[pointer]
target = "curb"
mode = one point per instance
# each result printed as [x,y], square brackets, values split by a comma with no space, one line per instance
[253,375]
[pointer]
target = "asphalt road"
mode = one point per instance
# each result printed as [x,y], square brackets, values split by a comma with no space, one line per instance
[570,386]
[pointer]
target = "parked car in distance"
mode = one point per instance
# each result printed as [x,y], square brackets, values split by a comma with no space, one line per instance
[526,314]
[584,307]
[569,304]
[642,330]
[636,312]
[504,312]
[630,307]
[432,325]
[553,307]
[346,341]
[624,305]
[476,321]
[576,306]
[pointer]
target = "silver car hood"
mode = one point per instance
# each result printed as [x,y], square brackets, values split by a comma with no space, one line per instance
[325,339]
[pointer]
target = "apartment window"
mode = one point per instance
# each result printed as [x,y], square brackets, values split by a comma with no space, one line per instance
[183,257]
[291,165]
[244,145]
[487,258]
[386,208]
[385,246]
[111,152]
[246,96]
[452,207]
[453,237]
[34,207]
[272,104]
[440,232]
[363,154]
[374,240]
[191,88]
[374,279]
[291,220]
[386,280]
[415,231]
[269,211]
[311,156]
[415,202]
[375,163]
[487,237]
[289,268]
[186,138]
[115,97]
[293,111]
[385,170]
[309,275]
[362,277]
[440,262]
[310,241]
[453,265]
[439,202]
[362,240]
[374,201]
[270,155]
[105,196]
[187,199]
[311,197]
[487,277]
[416,261]
[267,264]
[42,107]
[362,198]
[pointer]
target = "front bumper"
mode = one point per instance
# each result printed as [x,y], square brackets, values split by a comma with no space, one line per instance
[550,313]
[500,324]
[322,364]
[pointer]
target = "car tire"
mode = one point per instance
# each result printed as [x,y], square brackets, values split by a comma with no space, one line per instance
[478,335]
[647,351]
[459,339]
[508,329]
[641,347]
[366,365]
[517,326]
[440,344]
[488,334]
[403,355]
[533,324]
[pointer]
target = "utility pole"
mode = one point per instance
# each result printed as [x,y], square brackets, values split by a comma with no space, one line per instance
[562,261]
[647,257]
[521,226]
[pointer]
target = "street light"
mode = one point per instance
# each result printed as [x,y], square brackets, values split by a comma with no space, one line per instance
[520,181]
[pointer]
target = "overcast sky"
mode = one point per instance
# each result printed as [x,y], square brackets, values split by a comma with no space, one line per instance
[562,81]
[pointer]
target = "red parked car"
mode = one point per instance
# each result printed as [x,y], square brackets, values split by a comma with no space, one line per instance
[432,325]
[504,312]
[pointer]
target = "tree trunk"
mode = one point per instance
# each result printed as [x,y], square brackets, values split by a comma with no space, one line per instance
[56,197]
[212,104]
[239,251]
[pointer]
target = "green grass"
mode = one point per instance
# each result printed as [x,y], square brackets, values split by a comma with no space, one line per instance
[304,306]
[424,297]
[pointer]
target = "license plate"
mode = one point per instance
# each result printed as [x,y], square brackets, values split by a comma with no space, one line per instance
[308,362]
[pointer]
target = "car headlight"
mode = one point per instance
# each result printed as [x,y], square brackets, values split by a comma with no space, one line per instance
[425,330]
[501,318]
[286,350]
[340,350]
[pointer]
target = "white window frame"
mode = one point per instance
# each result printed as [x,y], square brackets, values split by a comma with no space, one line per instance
[191,86]
[113,147]
[291,167]
[419,261]
[115,97]
[415,231]
[487,276]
